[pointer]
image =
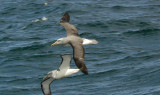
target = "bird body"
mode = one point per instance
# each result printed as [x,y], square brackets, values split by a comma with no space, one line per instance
[75,41]
[63,71]
[84,42]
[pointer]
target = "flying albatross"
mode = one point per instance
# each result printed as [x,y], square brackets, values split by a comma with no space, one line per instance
[73,39]
[63,71]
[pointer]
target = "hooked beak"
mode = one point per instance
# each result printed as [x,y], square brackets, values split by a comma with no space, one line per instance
[55,43]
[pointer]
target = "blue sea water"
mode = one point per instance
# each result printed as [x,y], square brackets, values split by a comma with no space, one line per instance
[126,61]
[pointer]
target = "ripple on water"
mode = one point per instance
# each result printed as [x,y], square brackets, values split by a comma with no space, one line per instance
[125,61]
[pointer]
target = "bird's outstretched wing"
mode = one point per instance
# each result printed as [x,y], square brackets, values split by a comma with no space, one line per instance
[75,42]
[65,18]
[66,61]
[71,29]
[78,56]
[45,86]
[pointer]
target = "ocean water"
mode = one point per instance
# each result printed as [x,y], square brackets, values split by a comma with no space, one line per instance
[126,61]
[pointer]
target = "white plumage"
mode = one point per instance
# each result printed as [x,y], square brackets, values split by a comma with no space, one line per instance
[63,71]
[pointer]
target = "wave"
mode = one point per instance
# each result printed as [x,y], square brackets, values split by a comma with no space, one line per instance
[90,35]
[96,24]
[143,32]
[135,7]
[118,7]
[148,58]
[20,39]
[135,58]
[32,47]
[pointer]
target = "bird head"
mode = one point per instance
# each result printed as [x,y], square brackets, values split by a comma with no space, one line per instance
[51,74]
[60,41]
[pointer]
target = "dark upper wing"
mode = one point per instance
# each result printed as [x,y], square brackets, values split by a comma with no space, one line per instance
[71,29]
[78,55]
[45,86]
[65,18]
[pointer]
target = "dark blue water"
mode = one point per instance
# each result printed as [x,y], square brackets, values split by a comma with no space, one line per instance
[125,62]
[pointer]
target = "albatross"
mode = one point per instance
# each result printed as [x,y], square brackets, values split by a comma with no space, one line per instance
[75,41]
[63,71]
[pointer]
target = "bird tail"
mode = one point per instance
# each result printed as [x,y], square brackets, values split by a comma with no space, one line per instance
[94,42]
[89,41]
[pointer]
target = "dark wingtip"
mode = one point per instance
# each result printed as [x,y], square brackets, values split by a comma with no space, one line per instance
[84,70]
[65,18]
